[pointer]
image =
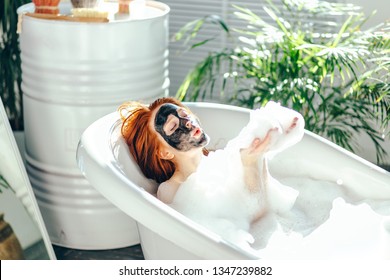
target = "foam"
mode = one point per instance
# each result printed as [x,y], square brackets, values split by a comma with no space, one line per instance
[218,200]
[326,222]
[216,197]
[262,120]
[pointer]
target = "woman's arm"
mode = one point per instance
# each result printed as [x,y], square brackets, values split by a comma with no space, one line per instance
[255,165]
[255,171]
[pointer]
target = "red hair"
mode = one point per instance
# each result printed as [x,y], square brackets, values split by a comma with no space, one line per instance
[143,142]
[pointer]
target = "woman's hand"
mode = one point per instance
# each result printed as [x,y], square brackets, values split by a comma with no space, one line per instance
[258,147]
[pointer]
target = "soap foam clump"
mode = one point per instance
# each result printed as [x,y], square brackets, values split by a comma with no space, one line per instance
[349,231]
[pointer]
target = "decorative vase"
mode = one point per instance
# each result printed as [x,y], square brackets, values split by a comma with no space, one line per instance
[46,6]
[10,248]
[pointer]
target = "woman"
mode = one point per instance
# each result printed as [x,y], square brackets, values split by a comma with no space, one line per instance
[168,143]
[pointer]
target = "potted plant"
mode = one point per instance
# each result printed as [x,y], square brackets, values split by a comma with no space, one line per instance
[10,64]
[339,81]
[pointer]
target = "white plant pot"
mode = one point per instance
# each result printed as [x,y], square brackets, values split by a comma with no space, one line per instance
[74,73]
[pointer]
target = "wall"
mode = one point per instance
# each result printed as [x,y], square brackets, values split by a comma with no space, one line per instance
[381,7]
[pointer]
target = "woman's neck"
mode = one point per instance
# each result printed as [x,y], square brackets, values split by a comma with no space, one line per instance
[186,164]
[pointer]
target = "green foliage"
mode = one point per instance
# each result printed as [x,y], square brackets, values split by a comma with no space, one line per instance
[339,81]
[10,70]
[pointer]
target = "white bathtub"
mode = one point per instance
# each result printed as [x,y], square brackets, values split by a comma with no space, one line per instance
[164,233]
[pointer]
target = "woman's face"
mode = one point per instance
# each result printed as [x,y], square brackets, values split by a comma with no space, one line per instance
[179,129]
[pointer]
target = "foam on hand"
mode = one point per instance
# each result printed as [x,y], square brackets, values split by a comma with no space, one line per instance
[216,196]
[262,120]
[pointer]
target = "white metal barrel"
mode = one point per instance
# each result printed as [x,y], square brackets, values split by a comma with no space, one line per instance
[72,74]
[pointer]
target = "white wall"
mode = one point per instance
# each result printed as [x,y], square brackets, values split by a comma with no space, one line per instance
[381,7]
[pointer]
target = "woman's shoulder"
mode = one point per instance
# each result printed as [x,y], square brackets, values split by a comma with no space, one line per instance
[166,191]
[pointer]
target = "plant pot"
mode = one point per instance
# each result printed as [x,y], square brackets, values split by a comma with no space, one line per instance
[10,248]
[80,81]
[46,6]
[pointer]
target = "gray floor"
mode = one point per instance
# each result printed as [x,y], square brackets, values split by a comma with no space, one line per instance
[128,253]
[36,251]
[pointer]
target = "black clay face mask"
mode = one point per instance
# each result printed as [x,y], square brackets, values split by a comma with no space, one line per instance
[180,131]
